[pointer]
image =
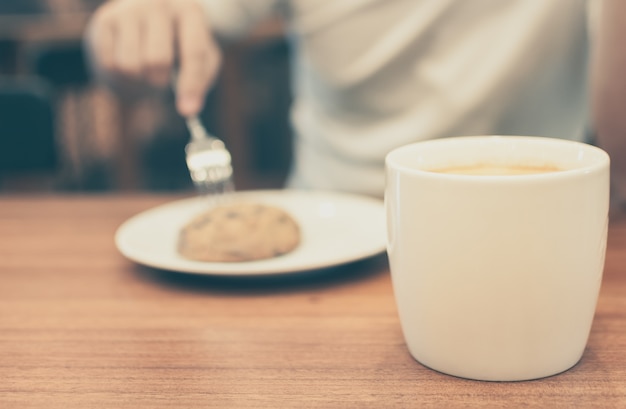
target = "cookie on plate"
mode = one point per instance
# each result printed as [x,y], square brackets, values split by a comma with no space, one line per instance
[239,232]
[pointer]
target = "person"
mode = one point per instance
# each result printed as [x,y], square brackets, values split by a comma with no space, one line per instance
[608,90]
[371,75]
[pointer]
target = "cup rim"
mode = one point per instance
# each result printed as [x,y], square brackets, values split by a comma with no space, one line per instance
[601,157]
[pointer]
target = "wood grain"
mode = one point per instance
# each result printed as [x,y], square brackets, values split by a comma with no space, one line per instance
[82,327]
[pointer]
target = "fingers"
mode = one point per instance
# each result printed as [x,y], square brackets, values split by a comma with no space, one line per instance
[100,39]
[142,40]
[128,46]
[114,37]
[158,48]
[199,59]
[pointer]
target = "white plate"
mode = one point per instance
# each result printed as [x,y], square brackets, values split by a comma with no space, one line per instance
[336,228]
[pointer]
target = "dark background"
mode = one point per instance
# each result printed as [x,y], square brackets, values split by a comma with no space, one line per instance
[62,131]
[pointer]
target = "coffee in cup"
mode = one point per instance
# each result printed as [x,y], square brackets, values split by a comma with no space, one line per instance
[498,170]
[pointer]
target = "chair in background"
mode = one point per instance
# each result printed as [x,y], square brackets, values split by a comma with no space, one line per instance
[63,66]
[28,149]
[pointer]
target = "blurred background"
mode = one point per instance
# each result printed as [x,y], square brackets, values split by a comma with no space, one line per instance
[61,131]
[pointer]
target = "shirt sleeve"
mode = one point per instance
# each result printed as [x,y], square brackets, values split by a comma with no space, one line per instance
[234,18]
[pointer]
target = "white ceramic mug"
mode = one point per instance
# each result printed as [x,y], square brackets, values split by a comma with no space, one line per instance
[496,277]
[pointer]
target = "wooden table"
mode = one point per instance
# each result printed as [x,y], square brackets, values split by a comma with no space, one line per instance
[82,327]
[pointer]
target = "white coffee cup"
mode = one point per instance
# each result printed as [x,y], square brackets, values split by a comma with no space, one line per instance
[496,277]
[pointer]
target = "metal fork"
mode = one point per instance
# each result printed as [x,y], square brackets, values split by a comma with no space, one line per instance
[208,160]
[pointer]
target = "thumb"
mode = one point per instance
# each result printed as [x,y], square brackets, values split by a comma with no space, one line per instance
[199,60]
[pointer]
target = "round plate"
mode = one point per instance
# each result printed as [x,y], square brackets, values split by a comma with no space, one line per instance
[336,228]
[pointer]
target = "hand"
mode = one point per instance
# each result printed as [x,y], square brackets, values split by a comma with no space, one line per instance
[144,40]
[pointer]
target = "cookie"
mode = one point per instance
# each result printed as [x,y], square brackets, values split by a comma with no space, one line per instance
[239,232]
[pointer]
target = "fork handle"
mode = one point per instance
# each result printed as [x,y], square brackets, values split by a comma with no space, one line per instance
[196,129]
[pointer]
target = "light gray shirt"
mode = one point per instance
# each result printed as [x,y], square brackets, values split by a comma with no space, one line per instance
[371,75]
